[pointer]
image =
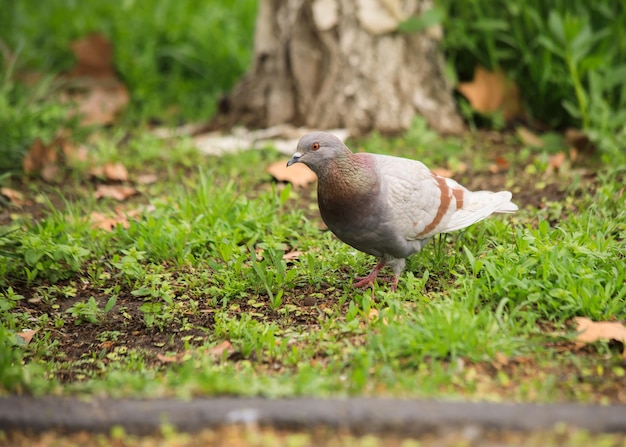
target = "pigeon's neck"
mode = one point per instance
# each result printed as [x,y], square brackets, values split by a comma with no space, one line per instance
[349,180]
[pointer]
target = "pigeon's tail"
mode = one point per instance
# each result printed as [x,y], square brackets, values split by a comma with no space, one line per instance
[479,205]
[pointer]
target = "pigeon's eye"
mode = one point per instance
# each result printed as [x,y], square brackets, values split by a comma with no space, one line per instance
[315,146]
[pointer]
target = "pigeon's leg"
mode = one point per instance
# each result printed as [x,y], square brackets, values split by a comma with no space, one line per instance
[369,279]
[397,266]
[394,283]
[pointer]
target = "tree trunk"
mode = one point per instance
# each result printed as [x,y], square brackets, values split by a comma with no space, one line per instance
[342,63]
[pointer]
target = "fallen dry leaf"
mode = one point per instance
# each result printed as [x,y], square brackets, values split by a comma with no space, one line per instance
[146,179]
[96,171]
[94,57]
[108,223]
[501,360]
[117,192]
[107,344]
[501,164]
[135,213]
[27,335]
[298,175]
[178,358]
[372,314]
[110,171]
[491,91]
[75,154]
[50,173]
[101,102]
[294,254]
[96,90]
[116,172]
[121,216]
[15,197]
[591,331]
[556,161]
[218,351]
[529,138]
[39,156]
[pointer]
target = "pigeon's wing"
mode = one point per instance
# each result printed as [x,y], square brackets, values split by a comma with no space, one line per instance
[423,204]
[413,197]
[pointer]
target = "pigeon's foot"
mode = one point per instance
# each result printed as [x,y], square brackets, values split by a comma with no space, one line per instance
[369,280]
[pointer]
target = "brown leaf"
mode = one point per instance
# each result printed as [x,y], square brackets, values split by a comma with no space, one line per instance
[15,197]
[146,179]
[556,161]
[373,315]
[492,91]
[294,254]
[116,172]
[502,162]
[50,173]
[218,351]
[298,175]
[529,138]
[96,90]
[590,331]
[101,103]
[117,192]
[94,57]
[39,156]
[73,153]
[108,223]
[96,171]
[178,358]
[501,360]
[27,335]
[135,213]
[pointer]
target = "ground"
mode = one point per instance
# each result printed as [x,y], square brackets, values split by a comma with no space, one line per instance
[83,351]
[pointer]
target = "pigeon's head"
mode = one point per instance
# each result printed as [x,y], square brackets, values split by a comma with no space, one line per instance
[317,149]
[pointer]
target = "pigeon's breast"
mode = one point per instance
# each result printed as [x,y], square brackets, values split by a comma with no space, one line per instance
[364,224]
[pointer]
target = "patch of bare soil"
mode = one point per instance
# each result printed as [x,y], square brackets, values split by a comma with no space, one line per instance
[127,331]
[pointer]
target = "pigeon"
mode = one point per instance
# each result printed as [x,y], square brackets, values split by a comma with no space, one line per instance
[387,206]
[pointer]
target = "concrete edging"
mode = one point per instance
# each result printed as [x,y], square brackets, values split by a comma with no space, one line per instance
[359,415]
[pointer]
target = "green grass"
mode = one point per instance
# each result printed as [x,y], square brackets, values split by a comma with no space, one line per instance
[175,57]
[204,265]
[567,57]
[142,310]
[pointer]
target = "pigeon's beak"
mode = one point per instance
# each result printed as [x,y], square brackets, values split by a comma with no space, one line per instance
[295,159]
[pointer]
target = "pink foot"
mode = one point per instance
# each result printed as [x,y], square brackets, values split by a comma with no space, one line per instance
[369,280]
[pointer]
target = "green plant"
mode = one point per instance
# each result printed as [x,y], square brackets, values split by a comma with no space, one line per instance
[50,258]
[27,113]
[565,56]
[192,46]
[89,311]
[272,274]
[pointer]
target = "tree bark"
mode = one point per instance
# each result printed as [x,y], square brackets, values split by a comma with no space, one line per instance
[342,63]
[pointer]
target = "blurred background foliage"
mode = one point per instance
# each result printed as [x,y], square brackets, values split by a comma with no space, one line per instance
[568,57]
[176,57]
